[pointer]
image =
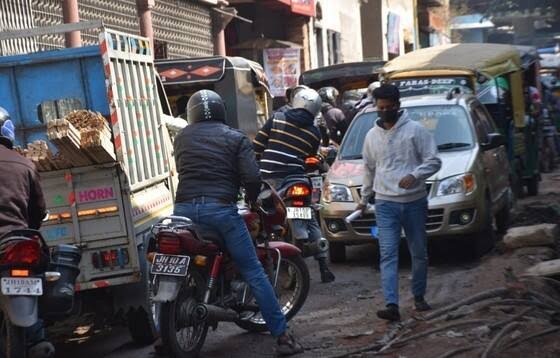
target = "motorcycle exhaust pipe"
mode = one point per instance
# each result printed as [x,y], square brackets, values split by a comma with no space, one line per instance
[315,247]
[212,313]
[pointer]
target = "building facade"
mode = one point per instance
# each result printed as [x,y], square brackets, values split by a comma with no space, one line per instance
[182,28]
[335,33]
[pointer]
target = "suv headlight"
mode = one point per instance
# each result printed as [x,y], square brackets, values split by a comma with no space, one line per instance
[337,192]
[460,184]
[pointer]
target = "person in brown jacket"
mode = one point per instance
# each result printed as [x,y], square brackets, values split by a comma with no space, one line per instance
[22,206]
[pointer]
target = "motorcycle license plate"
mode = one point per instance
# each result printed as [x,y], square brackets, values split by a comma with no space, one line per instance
[170,265]
[317,182]
[21,286]
[299,213]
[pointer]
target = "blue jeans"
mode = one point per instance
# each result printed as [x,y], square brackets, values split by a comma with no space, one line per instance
[391,217]
[224,219]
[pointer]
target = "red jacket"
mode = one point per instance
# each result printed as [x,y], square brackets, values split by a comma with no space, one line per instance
[22,204]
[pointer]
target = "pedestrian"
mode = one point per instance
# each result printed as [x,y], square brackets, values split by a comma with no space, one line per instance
[213,161]
[399,155]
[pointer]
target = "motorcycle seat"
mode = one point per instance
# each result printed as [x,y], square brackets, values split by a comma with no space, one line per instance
[211,235]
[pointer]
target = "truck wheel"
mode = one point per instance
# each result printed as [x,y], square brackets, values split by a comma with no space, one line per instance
[143,322]
[142,327]
[337,252]
[533,186]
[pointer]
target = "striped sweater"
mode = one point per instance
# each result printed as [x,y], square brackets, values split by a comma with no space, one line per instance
[284,142]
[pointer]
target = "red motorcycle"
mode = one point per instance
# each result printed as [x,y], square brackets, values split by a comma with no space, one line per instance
[196,284]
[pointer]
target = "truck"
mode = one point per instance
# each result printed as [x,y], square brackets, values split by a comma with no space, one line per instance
[106,209]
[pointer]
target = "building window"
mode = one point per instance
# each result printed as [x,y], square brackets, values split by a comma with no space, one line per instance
[334,47]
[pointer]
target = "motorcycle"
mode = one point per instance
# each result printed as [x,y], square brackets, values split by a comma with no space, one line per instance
[197,286]
[301,195]
[35,282]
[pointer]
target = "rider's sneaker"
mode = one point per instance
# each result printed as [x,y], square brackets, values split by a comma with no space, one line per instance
[287,345]
[42,349]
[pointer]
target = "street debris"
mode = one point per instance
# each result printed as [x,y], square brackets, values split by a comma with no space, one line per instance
[531,310]
[546,268]
[535,235]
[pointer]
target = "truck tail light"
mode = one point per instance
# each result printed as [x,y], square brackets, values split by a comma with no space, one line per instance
[110,258]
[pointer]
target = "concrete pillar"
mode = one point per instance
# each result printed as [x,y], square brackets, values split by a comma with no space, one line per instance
[144,8]
[70,15]
[219,23]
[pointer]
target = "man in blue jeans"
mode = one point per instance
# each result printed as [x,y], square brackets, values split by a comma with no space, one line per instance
[213,161]
[399,155]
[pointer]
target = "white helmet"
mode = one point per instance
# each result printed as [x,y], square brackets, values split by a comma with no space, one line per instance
[309,100]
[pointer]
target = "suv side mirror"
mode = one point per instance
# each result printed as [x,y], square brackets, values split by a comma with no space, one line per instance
[495,140]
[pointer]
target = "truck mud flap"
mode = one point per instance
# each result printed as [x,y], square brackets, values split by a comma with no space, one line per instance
[167,288]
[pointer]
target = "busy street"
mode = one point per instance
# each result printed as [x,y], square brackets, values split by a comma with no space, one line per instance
[273,178]
[339,317]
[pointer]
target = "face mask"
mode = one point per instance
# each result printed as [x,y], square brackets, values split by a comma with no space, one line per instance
[390,116]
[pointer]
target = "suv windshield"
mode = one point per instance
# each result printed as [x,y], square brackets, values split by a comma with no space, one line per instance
[449,125]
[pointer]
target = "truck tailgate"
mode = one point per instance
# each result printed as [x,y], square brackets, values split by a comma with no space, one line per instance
[87,209]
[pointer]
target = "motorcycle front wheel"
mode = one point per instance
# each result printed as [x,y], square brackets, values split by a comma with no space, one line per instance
[180,333]
[292,289]
[12,340]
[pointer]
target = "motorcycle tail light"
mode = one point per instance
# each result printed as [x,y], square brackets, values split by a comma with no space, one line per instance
[312,161]
[299,190]
[169,245]
[19,273]
[21,252]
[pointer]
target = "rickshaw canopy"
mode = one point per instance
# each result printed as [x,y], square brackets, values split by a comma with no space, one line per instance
[491,60]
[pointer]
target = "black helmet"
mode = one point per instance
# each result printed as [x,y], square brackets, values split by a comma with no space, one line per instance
[7,130]
[206,105]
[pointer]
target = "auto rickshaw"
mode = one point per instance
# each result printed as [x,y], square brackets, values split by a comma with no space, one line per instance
[241,83]
[495,74]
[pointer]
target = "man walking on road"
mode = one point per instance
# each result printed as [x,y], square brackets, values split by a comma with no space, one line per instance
[399,155]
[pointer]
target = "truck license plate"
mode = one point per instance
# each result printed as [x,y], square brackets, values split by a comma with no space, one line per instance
[170,265]
[299,213]
[317,182]
[21,286]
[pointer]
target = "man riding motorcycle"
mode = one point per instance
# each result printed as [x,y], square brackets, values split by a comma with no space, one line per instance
[282,145]
[213,161]
[22,206]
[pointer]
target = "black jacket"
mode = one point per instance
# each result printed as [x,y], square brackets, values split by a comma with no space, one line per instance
[284,142]
[22,204]
[214,160]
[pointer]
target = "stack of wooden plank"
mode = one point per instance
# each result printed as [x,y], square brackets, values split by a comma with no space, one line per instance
[67,139]
[95,135]
[43,158]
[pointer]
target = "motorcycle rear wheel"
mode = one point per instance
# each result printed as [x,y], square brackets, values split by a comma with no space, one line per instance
[180,334]
[12,340]
[293,277]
